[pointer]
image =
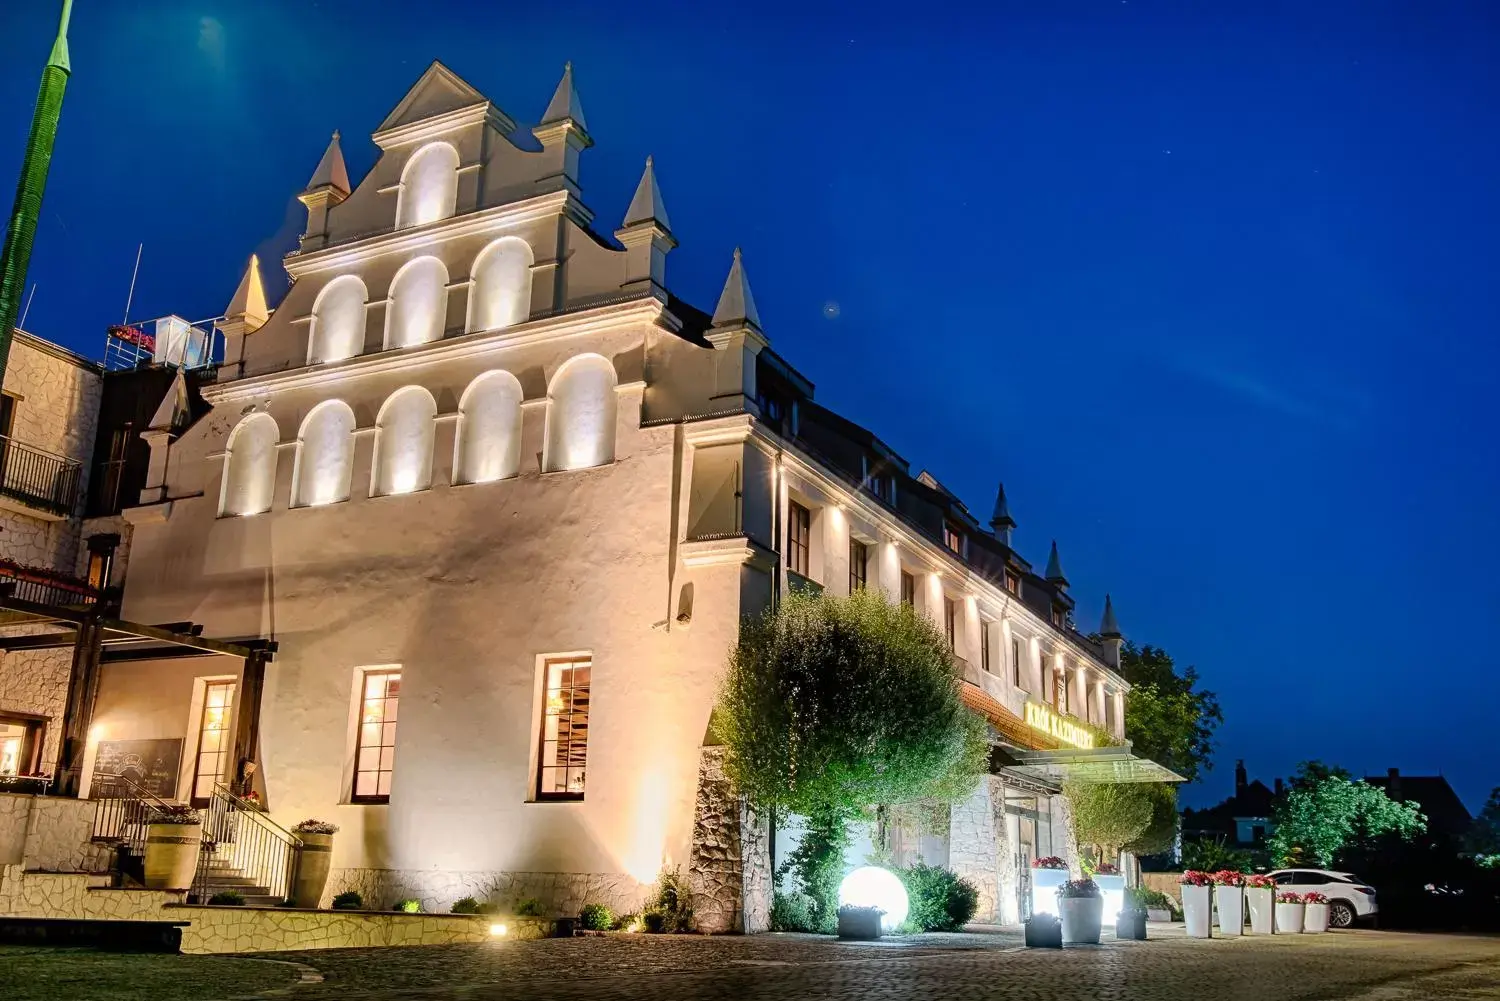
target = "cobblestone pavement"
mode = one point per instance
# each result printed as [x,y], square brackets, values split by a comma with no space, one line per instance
[1350,966]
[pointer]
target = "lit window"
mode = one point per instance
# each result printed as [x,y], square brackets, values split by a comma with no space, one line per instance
[375,759]
[799,539]
[565,730]
[859,556]
[1012,583]
[952,539]
[213,739]
[908,590]
[950,620]
[984,646]
[1015,662]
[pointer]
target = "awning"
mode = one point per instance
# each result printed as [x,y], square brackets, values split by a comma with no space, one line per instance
[1100,764]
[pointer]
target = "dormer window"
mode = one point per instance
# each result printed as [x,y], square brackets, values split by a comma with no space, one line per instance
[953,539]
[1012,583]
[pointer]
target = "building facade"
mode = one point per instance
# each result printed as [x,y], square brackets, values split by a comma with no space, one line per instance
[493,501]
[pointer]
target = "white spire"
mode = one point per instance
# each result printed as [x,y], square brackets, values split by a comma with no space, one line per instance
[647,205]
[565,103]
[736,304]
[249,302]
[331,171]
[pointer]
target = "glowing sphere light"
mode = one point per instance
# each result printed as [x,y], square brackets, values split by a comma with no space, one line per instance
[872,886]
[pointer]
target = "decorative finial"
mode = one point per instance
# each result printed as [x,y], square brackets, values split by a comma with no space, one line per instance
[648,159]
[335,135]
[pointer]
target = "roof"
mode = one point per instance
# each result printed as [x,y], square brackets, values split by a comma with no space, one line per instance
[1445,812]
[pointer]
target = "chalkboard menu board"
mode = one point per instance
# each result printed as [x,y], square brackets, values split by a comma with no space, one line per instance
[150,764]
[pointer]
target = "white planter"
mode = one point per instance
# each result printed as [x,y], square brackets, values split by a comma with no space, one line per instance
[1261,901]
[1081,919]
[1289,918]
[1158,914]
[172,855]
[1231,904]
[1197,910]
[1044,884]
[1113,889]
[1315,918]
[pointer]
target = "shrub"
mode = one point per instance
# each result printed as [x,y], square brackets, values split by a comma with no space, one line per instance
[672,903]
[466,905]
[315,827]
[1140,898]
[407,905]
[227,898]
[288,902]
[1207,855]
[939,899]
[596,917]
[792,912]
[628,922]
[653,921]
[349,900]
[530,907]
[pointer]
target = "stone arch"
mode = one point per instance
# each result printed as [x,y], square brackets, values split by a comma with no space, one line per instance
[418,310]
[337,330]
[403,442]
[429,186]
[325,455]
[501,294]
[250,466]
[581,414]
[488,445]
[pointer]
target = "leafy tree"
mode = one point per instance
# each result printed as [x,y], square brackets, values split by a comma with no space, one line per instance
[1108,815]
[1167,718]
[1484,834]
[1160,834]
[833,705]
[1209,855]
[1325,816]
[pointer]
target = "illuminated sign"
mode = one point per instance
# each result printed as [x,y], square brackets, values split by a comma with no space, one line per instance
[1039,717]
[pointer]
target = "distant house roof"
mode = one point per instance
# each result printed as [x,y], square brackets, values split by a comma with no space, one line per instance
[1445,812]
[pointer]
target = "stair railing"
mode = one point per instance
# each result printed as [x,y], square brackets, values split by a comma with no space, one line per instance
[122,818]
[239,835]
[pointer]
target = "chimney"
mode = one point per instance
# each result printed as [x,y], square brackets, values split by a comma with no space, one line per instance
[1393,783]
[1241,779]
[1278,785]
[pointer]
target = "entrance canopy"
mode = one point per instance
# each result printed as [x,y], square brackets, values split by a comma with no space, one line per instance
[1100,764]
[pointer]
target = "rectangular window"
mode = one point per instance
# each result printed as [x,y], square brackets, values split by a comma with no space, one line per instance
[950,619]
[1061,684]
[1012,583]
[213,739]
[565,729]
[1015,662]
[375,758]
[908,590]
[799,539]
[859,558]
[952,539]
[984,646]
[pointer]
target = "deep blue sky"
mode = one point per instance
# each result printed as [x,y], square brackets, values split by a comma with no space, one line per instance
[1211,287]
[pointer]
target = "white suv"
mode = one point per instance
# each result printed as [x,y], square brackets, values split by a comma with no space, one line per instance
[1349,900]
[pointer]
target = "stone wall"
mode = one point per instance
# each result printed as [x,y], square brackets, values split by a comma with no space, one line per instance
[74,895]
[36,681]
[249,929]
[976,842]
[1166,882]
[560,893]
[50,833]
[730,865]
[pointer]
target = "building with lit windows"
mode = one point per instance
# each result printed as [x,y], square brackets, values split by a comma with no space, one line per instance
[457,553]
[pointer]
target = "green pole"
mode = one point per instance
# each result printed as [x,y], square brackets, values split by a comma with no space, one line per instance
[21,230]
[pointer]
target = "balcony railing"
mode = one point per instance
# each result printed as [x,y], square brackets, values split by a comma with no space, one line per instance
[41,586]
[39,479]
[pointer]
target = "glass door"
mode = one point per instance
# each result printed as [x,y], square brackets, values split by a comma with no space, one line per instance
[213,740]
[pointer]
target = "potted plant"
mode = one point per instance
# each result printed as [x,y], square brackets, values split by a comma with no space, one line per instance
[1131,922]
[1112,886]
[1315,913]
[1260,899]
[1044,931]
[861,924]
[1197,902]
[1229,897]
[1289,913]
[313,861]
[1047,874]
[1081,907]
[173,836]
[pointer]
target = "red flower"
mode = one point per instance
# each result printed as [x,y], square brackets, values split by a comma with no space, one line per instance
[1049,862]
[1288,898]
[1228,877]
[1260,881]
[1107,869]
[1314,898]
[1195,878]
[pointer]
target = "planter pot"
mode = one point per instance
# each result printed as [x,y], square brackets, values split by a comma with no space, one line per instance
[1289,918]
[172,855]
[1082,918]
[1260,902]
[1113,889]
[861,924]
[1044,884]
[312,869]
[1315,918]
[1158,914]
[1044,932]
[1197,910]
[1231,904]
[1132,925]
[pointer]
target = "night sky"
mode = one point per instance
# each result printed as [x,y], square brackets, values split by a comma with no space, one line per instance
[1211,287]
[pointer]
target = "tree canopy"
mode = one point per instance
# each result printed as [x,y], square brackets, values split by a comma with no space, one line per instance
[1167,718]
[1484,834]
[841,703]
[1161,833]
[1109,815]
[1325,815]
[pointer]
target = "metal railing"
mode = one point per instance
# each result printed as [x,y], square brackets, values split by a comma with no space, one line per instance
[122,813]
[44,587]
[238,836]
[39,478]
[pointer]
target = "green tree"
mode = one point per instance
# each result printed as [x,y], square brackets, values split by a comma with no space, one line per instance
[1484,834]
[1211,855]
[1161,833]
[1168,718]
[1108,815]
[834,705]
[1325,815]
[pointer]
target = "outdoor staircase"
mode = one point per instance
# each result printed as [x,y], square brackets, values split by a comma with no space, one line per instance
[218,875]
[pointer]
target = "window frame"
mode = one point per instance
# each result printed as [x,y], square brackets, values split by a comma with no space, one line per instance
[908,589]
[950,622]
[984,645]
[799,539]
[225,751]
[545,662]
[953,539]
[859,565]
[360,698]
[1015,662]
